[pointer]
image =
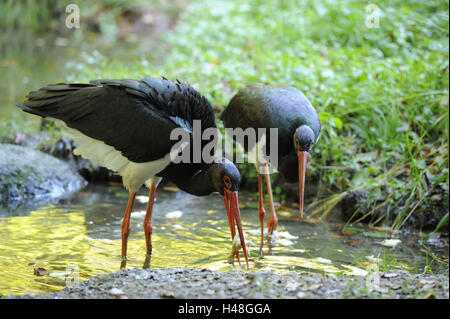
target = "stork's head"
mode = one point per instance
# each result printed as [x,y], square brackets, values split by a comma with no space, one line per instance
[304,140]
[225,176]
[226,180]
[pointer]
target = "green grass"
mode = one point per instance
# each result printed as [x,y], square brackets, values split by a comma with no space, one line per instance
[381,93]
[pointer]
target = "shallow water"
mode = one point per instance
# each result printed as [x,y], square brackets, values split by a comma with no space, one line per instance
[82,234]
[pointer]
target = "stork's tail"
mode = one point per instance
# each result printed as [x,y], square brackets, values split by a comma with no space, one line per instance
[30,110]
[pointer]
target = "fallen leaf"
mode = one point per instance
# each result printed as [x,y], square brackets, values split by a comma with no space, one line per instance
[174,214]
[354,242]
[353,229]
[347,232]
[337,236]
[384,228]
[366,263]
[40,271]
[391,242]
[284,213]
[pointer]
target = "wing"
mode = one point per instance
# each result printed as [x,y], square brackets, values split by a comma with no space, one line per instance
[134,117]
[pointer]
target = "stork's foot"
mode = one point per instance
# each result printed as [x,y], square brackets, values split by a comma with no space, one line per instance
[148,259]
[272,224]
[123,263]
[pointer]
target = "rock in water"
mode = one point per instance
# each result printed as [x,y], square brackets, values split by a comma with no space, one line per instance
[27,174]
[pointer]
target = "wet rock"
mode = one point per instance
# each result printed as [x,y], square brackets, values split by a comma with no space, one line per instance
[27,175]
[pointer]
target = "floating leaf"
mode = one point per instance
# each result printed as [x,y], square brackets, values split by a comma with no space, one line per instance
[391,242]
[174,214]
[284,213]
[40,271]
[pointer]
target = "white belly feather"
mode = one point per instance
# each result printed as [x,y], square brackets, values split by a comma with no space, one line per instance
[133,174]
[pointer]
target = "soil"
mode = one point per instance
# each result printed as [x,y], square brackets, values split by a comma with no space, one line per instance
[194,283]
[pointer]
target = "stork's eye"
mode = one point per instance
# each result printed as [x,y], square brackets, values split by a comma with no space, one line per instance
[227,181]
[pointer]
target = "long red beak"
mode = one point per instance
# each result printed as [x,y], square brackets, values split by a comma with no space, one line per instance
[230,221]
[302,159]
[231,200]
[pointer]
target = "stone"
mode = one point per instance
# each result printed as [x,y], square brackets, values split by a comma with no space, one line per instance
[27,174]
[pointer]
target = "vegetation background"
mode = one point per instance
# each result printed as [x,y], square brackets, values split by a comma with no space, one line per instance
[381,90]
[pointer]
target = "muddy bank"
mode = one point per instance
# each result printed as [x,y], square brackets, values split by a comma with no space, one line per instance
[193,283]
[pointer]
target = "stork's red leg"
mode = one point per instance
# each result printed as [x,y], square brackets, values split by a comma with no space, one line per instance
[126,229]
[261,210]
[273,219]
[148,226]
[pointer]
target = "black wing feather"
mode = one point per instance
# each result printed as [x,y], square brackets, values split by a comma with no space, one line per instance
[135,117]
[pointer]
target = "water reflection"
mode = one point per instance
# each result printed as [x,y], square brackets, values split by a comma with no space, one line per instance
[187,232]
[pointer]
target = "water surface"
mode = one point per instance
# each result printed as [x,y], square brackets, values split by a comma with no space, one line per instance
[83,232]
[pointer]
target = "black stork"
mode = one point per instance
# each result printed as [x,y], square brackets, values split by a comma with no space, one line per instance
[288,110]
[125,125]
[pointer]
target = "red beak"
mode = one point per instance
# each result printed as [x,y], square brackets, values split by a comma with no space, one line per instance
[231,200]
[302,159]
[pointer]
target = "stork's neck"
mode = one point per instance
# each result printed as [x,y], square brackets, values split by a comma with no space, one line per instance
[200,184]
